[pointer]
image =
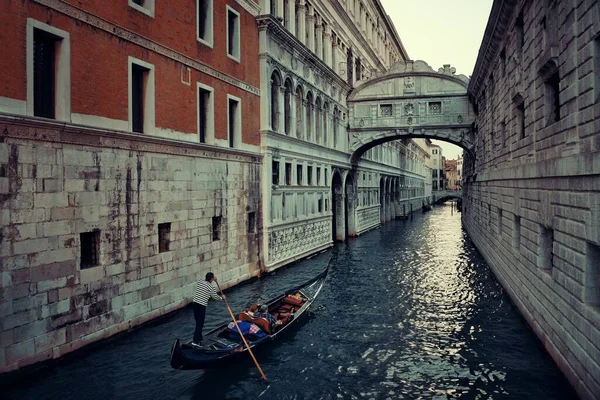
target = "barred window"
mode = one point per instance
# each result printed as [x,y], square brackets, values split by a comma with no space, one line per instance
[164,237]
[90,249]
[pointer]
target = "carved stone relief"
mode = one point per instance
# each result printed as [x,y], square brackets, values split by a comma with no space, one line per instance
[289,242]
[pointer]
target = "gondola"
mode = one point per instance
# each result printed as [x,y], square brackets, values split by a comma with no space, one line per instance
[223,344]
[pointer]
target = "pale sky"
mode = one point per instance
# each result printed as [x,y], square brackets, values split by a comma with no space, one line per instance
[441,32]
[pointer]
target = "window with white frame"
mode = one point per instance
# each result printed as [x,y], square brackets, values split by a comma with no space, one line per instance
[204,21]
[144,6]
[206,114]
[48,71]
[234,121]
[141,96]
[233,34]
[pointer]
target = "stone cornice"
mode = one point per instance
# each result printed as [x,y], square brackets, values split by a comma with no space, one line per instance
[124,34]
[250,6]
[499,20]
[283,35]
[41,129]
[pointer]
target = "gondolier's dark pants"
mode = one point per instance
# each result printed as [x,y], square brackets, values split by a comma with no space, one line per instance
[199,314]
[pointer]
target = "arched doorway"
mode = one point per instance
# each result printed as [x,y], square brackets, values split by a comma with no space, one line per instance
[338,208]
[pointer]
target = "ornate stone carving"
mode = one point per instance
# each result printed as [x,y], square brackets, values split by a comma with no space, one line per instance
[409,109]
[306,71]
[289,242]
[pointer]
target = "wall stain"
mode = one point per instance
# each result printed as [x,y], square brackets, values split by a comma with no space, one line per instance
[129,217]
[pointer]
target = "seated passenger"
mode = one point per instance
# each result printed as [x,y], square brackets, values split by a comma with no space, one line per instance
[264,313]
[246,328]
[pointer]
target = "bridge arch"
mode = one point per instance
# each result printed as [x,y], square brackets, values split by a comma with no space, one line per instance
[411,100]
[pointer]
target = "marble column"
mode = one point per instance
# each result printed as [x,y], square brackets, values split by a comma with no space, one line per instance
[279,9]
[304,125]
[313,123]
[265,7]
[325,119]
[363,20]
[327,45]
[310,23]
[334,55]
[281,113]
[292,14]
[293,116]
[319,43]
[302,22]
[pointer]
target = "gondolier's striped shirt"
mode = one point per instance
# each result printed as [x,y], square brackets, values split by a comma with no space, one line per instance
[204,291]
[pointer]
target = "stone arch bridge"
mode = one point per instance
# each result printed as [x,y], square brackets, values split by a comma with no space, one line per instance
[411,100]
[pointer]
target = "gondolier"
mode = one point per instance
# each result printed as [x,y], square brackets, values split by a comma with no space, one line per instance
[205,290]
[224,343]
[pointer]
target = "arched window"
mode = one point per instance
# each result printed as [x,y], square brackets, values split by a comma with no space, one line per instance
[318,120]
[299,113]
[336,122]
[287,106]
[275,84]
[309,112]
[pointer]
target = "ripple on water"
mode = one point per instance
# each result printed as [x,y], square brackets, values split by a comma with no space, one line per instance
[409,311]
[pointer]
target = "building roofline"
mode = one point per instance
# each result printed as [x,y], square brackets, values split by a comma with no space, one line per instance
[392,29]
[498,22]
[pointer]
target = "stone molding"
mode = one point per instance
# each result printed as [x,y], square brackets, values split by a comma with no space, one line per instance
[249,6]
[39,129]
[124,34]
[497,25]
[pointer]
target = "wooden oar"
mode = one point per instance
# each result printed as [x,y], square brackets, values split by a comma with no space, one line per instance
[241,335]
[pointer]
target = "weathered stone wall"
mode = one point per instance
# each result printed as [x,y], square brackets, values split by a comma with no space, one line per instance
[532,196]
[58,181]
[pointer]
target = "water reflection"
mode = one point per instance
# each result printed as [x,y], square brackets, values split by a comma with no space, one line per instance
[409,311]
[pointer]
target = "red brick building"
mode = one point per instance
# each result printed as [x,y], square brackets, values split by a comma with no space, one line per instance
[129,163]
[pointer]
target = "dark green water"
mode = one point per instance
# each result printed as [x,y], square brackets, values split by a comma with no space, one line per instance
[409,311]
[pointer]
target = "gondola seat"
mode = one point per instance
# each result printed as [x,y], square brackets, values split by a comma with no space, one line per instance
[293,301]
[262,323]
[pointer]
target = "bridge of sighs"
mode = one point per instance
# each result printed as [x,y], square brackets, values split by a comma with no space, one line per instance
[411,100]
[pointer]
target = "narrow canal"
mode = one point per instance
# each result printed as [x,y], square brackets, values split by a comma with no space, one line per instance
[409,311]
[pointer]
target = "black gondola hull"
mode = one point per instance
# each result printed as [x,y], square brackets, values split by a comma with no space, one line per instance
[226,349]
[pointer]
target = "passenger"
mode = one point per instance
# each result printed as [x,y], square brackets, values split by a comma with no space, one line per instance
[264,313]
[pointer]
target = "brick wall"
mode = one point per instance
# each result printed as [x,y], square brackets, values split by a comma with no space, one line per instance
[99,60]
[123,186]
[531,202]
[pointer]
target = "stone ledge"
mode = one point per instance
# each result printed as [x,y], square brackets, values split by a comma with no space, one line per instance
[41,129]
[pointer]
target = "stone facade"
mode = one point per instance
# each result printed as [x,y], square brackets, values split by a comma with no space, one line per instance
[126,170]
[70,184]
[532,194]
[309,64]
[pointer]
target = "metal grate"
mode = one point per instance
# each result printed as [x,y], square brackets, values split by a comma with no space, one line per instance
[435,107]
[385,110]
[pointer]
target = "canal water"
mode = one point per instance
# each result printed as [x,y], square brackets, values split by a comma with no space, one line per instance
[409,311]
